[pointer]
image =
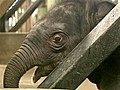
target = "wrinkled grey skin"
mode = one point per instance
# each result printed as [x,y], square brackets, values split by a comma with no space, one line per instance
[53,37]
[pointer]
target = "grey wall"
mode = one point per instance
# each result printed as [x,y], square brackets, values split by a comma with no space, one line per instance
[9,44]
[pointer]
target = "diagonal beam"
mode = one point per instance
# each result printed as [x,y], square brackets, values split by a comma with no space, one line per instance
[13,9]
[88,54]
[4,5]
[26,15]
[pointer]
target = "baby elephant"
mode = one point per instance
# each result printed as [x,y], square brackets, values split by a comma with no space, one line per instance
[53,37]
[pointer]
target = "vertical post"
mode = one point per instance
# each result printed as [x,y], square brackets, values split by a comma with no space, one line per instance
[2,24]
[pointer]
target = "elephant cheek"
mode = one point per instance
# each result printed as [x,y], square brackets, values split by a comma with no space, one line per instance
[23,60]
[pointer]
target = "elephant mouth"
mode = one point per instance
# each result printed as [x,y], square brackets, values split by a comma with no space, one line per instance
[42,71]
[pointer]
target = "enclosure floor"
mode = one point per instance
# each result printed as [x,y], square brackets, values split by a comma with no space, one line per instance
[26,81]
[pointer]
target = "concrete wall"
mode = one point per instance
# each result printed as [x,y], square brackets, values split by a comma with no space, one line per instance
[9,44]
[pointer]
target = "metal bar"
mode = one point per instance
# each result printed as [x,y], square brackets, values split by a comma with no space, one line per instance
[88,54]
[26,15]
[14,8]
[4,5]
[2,24]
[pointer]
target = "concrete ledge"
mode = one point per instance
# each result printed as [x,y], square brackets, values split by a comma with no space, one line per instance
[9,44]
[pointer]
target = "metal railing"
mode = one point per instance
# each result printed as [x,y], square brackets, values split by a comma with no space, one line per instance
[17,17]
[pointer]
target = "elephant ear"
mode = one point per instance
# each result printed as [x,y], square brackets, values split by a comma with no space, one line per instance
[103,8]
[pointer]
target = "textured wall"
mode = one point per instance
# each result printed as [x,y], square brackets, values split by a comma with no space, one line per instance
[9,43]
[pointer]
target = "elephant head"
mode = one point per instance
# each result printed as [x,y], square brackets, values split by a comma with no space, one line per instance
[53,37]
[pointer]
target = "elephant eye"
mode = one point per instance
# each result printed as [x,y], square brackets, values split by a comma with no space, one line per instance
[57,40]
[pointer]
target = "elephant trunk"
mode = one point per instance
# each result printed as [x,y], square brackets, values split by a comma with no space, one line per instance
[23,60]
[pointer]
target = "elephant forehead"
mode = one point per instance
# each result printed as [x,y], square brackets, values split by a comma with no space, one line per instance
[59,25]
